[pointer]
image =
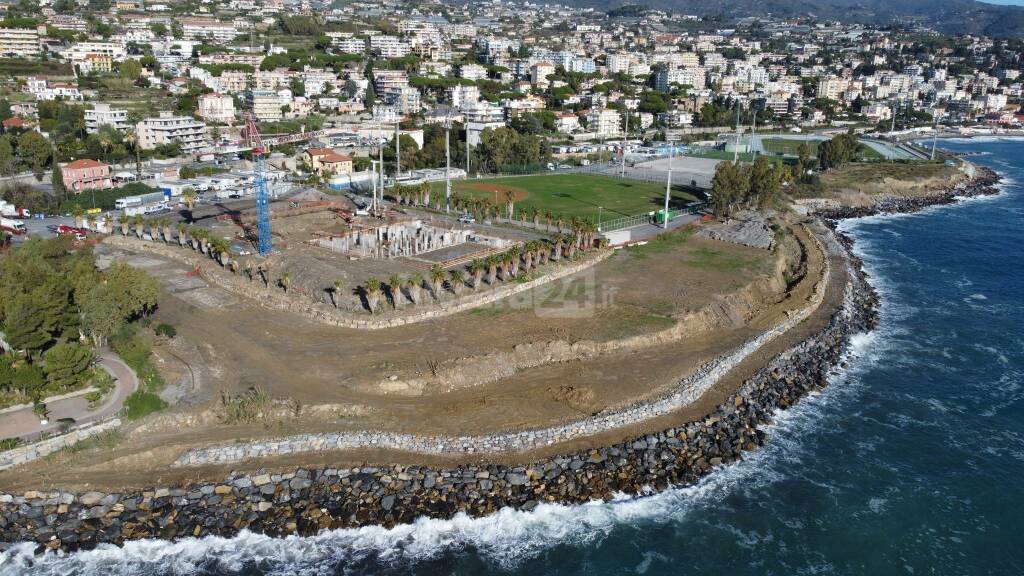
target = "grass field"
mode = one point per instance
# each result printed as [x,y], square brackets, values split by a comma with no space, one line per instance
[571,195]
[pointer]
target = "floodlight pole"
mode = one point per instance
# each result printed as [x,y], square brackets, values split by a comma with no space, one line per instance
[668,184]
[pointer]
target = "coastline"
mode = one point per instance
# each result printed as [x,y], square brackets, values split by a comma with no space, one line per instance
[310,500]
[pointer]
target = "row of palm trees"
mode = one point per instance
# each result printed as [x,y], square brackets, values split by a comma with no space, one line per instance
[505,266]
[164,230]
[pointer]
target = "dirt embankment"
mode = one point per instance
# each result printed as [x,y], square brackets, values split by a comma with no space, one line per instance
[725,311]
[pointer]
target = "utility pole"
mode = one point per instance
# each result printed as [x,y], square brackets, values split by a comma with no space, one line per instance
[398,151]
[753,130]
[373,202]
[736,150]
[448,164]
[380,150]
[466,120]
[622,169]
[935,134]
[668,183]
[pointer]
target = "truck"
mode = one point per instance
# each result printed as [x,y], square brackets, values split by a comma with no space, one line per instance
[129,201]
[147,209]
[11,211]
[16,227]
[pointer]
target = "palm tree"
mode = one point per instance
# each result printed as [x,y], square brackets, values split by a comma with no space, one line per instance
[165,224]
[108,224]
[476,268]
[556,242]
[492,263]
[123,219]
[413,284]
[572,242]
[334,291]
[188,196]
[560,222]
[91,221]
[437,276]
[137,224]
[535,216]
[285,280]
[513,254]
[182,236]
[371,289]
[528,249]
[510,204]
[457,279]
[548,217]
[395,290]
[79,213]
[425,193]
[249,269]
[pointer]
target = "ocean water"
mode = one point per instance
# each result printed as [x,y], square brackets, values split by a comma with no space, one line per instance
[910,462]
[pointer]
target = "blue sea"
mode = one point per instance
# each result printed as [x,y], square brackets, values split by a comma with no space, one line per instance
[910,462]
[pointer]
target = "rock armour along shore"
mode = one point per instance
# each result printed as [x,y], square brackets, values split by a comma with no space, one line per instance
[306,501]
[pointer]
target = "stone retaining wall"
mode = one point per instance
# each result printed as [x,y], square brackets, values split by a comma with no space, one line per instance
[29,452]
[214,274]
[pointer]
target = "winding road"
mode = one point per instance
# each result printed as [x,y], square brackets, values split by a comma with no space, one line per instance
[25,424]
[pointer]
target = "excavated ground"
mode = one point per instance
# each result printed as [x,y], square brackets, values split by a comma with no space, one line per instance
[341,379]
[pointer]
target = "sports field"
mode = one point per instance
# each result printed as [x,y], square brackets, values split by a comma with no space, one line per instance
[791,147]
[570,195]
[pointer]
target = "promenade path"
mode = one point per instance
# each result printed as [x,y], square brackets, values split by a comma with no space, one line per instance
[25,424]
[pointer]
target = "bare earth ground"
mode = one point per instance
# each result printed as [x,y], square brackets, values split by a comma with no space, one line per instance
[334,374]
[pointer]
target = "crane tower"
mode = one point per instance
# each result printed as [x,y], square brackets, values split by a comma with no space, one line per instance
[259,156]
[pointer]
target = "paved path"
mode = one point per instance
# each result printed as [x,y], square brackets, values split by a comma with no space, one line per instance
[25,424]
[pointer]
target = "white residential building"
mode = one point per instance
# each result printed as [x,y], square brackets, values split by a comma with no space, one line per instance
[167,128]
[208,28]
[102,114]
[19,42]
[604,122]
[389,46]
[267,105]
[216,107]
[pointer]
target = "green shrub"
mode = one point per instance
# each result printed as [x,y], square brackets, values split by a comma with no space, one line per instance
[164,329]
[93,398]
[141,403]
[8,443]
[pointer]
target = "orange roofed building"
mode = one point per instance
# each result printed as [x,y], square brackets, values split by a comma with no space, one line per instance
[327,161]
[83,174]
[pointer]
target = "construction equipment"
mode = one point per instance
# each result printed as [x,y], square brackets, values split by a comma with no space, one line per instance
[259,156]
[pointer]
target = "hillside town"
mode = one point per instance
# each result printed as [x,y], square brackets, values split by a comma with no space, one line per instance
[99,95]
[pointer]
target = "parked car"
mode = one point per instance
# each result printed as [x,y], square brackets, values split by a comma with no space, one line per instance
[467,219]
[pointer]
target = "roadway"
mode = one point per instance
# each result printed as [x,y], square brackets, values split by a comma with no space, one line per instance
[24,424]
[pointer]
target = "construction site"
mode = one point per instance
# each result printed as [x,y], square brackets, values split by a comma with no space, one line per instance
[555,331]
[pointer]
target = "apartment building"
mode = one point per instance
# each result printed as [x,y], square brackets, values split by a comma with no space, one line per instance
[604,122]
[168,128]
[208,28]
[266,105]
[19,42]
[102,114]
[216,107]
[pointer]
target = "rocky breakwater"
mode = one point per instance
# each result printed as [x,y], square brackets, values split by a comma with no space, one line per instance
[305,501]
[982,183]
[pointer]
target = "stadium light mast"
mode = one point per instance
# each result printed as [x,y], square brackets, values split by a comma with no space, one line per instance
[668,182]
[448,163]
